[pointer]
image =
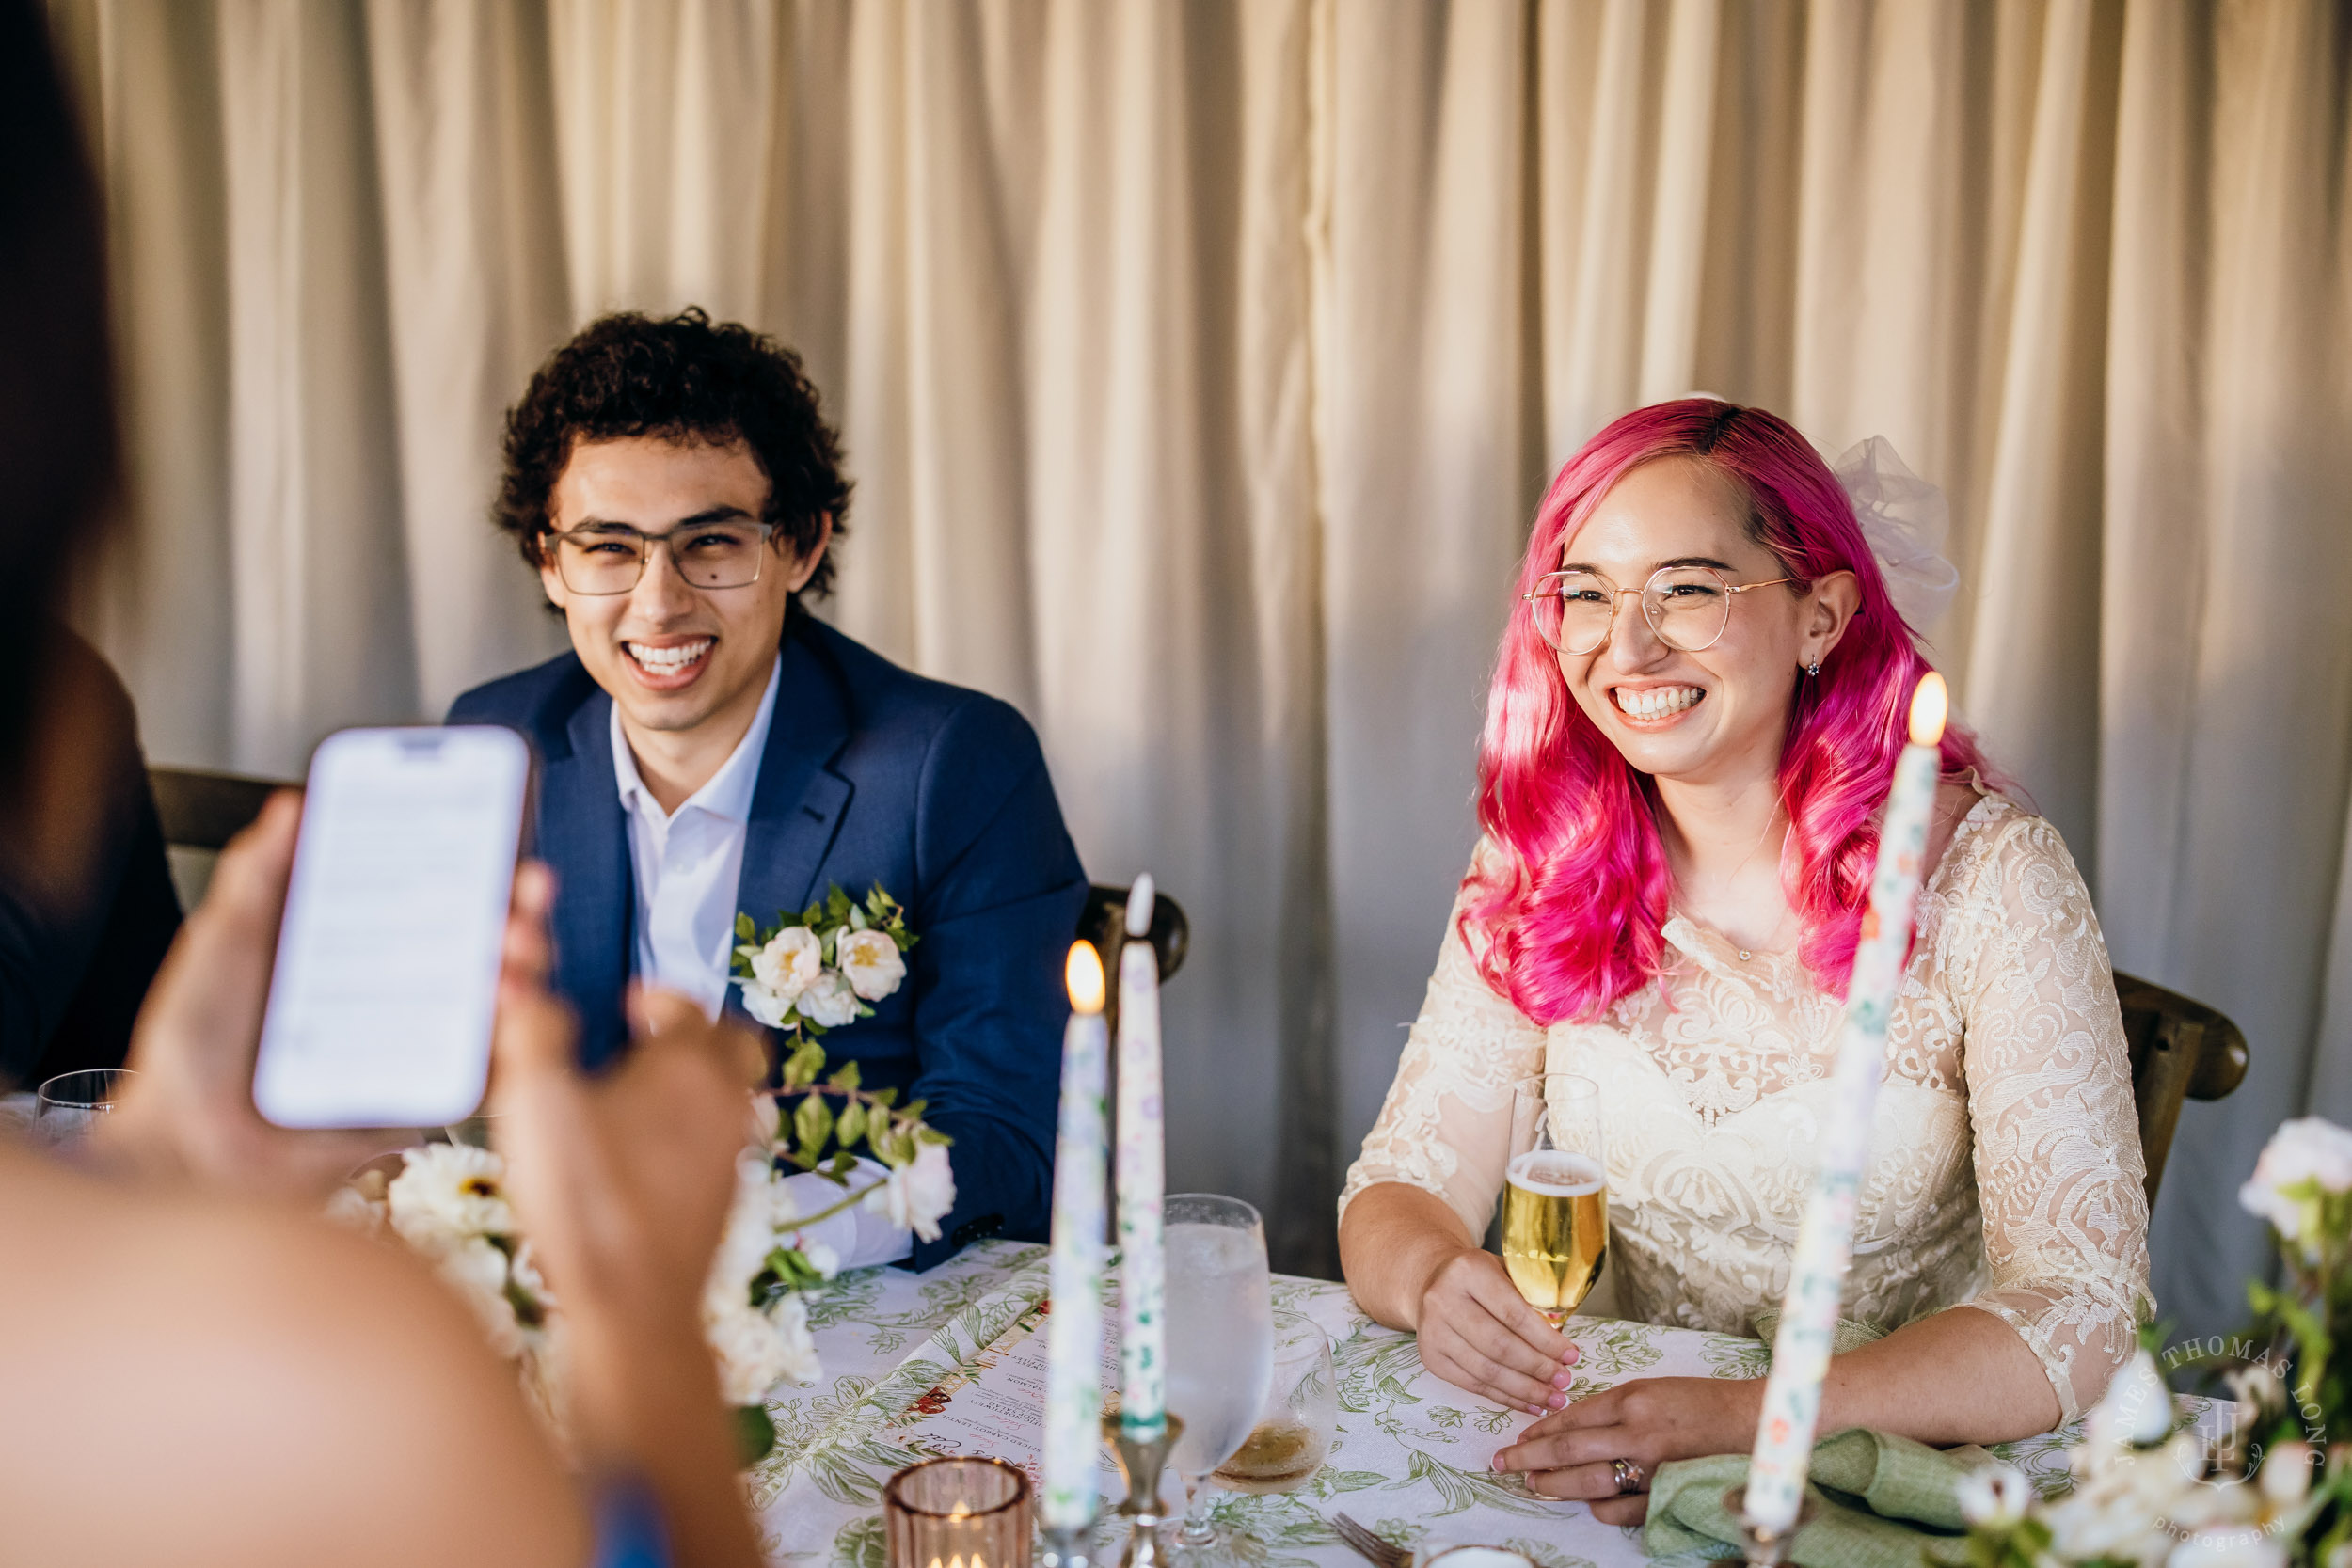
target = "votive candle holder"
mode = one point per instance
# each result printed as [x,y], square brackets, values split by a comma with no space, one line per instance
[958,1513]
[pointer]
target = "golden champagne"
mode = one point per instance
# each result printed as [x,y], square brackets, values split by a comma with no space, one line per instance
[1555,1228]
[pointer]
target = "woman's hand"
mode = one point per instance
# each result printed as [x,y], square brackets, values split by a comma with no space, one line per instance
[1479,1334]
[188,1115]
[1649,1421]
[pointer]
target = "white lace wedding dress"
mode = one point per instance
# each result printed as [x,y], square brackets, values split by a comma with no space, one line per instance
[2005,1163]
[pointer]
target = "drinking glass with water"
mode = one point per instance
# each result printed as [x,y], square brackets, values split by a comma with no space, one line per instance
[1220,1346]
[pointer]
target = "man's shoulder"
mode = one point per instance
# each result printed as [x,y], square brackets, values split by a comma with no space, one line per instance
[542,696]
[895,707]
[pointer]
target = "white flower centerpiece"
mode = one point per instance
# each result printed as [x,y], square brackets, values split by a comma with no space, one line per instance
[2277,1493]
[449,1201]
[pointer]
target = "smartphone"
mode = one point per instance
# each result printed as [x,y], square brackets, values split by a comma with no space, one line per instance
[382,999]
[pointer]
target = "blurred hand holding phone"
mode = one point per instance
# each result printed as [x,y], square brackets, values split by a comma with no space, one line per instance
[385,989]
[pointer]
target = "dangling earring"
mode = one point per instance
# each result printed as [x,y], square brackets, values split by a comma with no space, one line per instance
[1814,669]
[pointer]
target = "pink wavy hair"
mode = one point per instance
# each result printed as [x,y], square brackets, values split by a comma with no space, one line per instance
[1569,916]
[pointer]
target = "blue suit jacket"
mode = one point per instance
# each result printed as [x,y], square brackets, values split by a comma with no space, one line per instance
[871,774]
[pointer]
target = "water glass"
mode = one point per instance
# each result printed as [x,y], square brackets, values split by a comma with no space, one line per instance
[1221,1345]
[1299,1417]
[70,1104]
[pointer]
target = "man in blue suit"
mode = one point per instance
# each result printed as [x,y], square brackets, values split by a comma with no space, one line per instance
[707,748]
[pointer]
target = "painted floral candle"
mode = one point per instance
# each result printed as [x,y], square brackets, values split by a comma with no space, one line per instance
[1817,1274]
[1074,1388]
[1142,1181]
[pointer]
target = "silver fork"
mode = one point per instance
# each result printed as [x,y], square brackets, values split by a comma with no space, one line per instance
[1379,1553]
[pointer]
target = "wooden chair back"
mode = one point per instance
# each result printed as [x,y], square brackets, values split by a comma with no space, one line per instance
[1103,923]
[2181,1050]
[204,811]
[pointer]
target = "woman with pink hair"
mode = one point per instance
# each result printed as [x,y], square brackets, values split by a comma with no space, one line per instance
[1693,728]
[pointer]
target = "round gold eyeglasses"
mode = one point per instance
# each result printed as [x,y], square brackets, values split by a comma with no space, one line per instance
[1688,606]
[609,557]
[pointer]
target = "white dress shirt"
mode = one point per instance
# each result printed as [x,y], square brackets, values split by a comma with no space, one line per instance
[688,865]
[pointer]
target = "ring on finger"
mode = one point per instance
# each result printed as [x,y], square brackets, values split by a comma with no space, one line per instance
[1631,1476]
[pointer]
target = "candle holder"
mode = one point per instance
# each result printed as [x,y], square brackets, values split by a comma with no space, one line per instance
[1762,1550]
[1066,1548]
[958,1513]
[1141,1461]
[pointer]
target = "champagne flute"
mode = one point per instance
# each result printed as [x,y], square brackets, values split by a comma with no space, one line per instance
[70,1104]
[1220,1346]
[1555,1199]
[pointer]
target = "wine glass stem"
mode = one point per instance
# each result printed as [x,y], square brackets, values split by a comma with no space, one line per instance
[1196,1531]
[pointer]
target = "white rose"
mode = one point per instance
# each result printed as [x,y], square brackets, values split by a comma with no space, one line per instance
[758,1350]
[792,959]
[824,1260]
[2286,1476]
[789,1317]
[2137,1408]
[917,1197]
[1995,1495]
[2306,1150]
[751,1357]
[749,1237]
[446,1192]
[829,1001]
[871,961]
[478,1269]
[765,1005]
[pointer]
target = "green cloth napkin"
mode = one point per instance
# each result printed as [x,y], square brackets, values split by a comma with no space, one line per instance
[1880,1501]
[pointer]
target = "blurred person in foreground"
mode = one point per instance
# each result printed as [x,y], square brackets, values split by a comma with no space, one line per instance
[1693,730]
[205,1371]
[709,748]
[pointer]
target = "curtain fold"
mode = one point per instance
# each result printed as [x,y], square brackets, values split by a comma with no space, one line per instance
[1199,365]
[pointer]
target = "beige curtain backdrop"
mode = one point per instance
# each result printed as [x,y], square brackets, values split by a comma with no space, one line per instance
[1200,363]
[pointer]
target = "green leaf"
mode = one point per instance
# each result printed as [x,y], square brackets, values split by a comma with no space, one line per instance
[843,1164]
[812,1121]
[846,1080]
[837,904]
[755,1434]
[812,914]
[884,1098]
[857,918]
[744,928]
[933,1135]
[852,1125]
[806,1061]
[914,1107]
[793,1268]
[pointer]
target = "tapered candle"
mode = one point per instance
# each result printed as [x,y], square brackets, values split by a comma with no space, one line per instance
[1142,1180]
[1073,1379]
[1817,1273]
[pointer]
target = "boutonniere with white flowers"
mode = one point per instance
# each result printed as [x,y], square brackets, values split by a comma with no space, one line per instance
[820,969]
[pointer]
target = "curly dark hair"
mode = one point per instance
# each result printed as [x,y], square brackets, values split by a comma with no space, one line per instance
[683,377]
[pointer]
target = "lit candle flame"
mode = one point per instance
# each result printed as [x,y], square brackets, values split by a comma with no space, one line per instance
[1929,705]
[962,1510]
[1084,975]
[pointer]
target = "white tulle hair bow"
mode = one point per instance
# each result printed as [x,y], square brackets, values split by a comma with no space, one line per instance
[1904,518]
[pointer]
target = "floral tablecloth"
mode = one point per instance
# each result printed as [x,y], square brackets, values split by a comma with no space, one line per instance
[1410,1460]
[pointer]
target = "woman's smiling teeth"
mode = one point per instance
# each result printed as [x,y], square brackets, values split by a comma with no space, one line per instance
[668,661]
[1655,701]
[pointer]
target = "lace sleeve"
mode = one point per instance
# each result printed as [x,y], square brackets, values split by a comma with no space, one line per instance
[2058,1159]
[1445,1126]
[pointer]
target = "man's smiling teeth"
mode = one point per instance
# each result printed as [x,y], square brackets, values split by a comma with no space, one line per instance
[667,661]
[1658,701]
